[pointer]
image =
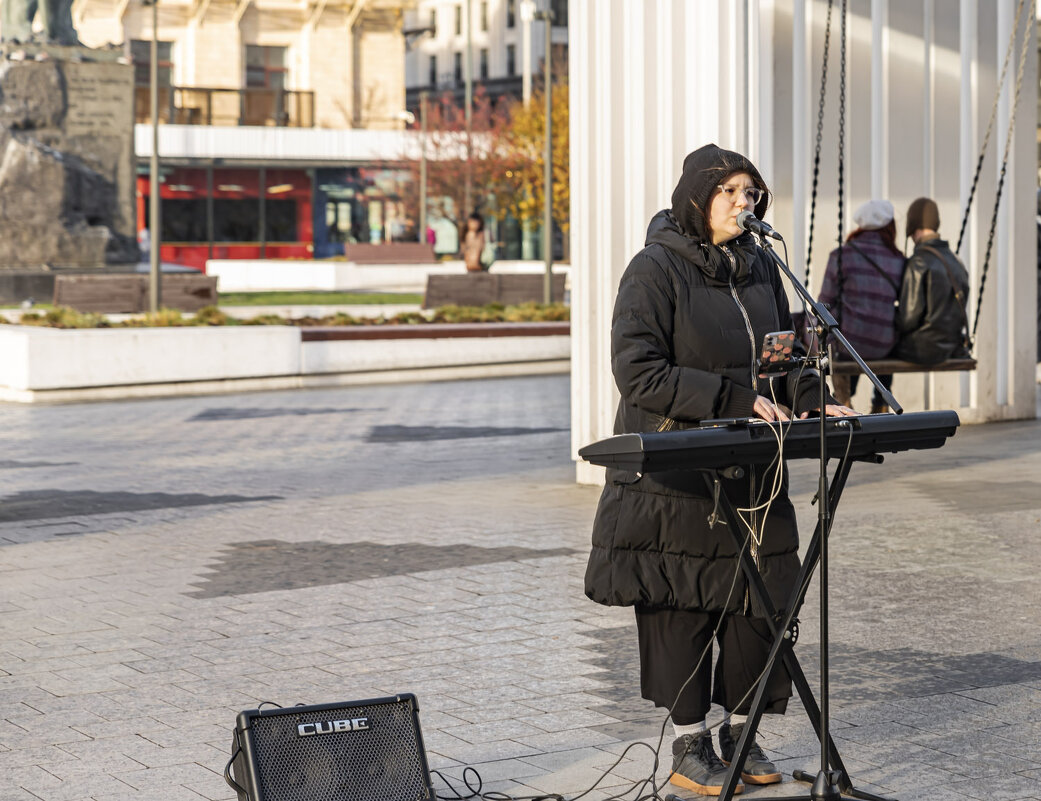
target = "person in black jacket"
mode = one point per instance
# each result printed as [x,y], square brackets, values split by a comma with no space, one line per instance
[932,321]
[692,309]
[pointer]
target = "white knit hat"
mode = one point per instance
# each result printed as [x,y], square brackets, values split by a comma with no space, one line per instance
[873,215]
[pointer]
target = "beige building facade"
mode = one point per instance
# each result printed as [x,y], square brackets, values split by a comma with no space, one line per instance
[333,63]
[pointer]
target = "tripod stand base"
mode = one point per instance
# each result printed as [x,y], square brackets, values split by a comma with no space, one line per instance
[825,784]
[826,788]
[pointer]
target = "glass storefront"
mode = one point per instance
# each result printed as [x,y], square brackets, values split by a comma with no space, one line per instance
[259,212]
[361,204]
[217,213]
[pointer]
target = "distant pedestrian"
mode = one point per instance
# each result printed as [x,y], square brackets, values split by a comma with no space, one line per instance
[473,243]
[144,244]
[932,322]
[863,294]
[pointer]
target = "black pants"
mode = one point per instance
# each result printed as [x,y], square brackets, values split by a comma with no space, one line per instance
[671,640]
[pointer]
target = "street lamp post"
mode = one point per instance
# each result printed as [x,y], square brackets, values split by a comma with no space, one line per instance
[423,166]
[527,13]
[547,180]
[409,34]
[468,74]
[154,239]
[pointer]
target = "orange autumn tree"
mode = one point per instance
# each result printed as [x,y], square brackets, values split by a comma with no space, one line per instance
[526,137]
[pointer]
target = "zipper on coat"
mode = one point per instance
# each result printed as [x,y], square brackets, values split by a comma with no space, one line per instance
[744,315]
[753,550]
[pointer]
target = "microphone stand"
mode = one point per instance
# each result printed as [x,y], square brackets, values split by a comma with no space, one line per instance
[826,783]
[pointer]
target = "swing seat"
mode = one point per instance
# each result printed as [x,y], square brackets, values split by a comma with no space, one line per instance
[890,366]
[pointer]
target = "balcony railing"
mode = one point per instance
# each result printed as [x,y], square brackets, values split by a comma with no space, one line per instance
[182,105]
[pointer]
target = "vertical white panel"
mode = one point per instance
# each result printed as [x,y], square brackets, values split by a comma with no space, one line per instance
[1022,214]
[929,83]
[1000,258]
[635,90]
[736,69]
[760,106]
[705,96]
[967,15]
[606,146]
[583,307]
[879,98]
[693,104]
[801,51]
[589,312]
[665,61]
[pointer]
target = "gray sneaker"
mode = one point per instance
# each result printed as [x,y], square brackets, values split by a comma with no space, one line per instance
[757,768]
[696,767]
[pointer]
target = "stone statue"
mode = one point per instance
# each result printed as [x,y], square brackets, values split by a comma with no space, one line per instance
[56,16]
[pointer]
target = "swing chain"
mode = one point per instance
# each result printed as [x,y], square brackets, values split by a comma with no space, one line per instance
[820,136]
[842,147]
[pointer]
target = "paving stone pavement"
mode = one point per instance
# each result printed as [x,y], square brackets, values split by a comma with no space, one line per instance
[165,564]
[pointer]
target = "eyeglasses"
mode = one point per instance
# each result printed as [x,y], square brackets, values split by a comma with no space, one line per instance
[753,194]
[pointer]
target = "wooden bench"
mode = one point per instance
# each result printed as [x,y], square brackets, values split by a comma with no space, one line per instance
[480,289]
[391,253]
[127,293]
[890,366]
[102,294]
[188,291]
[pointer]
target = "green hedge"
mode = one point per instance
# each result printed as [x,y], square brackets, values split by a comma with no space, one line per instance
[64,317]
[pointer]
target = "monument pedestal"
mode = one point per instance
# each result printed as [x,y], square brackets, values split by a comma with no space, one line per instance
[66,160]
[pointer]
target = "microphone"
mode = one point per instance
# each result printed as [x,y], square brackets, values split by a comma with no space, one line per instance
[747,221]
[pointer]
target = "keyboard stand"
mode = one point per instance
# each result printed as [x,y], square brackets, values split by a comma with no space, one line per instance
[785,631]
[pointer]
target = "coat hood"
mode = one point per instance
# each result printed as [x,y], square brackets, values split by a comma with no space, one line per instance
[703,171]
[684,228]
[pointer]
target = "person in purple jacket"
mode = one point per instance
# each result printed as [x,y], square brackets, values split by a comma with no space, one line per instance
[863,295]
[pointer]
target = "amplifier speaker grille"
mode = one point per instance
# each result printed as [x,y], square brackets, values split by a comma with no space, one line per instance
[382,760]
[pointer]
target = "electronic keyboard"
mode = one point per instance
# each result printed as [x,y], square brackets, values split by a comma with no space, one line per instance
[722,443]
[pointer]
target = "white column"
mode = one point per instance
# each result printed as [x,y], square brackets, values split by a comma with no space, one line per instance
[642,97]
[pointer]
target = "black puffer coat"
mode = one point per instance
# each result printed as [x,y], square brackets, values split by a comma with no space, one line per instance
[688,323]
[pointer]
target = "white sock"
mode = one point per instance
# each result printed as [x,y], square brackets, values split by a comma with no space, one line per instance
[737,720]
[693,728]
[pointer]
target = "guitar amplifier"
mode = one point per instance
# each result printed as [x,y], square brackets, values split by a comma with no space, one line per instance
[355,751]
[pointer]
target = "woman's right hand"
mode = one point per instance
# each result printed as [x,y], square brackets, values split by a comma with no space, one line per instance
[769,411]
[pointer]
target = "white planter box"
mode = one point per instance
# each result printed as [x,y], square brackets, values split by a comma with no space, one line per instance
[45,363]
[259,275]
[46,358]
[352,356]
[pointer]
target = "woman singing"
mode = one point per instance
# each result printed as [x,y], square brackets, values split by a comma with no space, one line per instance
[692,309]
